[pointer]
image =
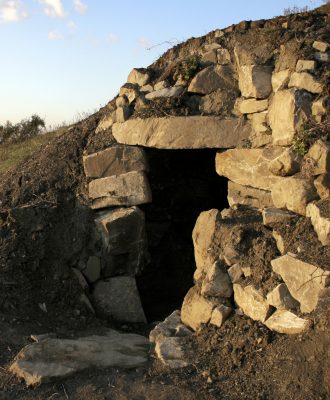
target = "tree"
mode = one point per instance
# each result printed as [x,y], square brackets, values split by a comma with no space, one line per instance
[25,129]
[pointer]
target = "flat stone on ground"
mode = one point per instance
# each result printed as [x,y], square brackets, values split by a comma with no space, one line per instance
[194,132]
[283,321]
[170,352]
[251,301]
[58,358]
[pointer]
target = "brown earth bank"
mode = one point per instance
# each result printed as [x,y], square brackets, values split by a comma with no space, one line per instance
[45,225]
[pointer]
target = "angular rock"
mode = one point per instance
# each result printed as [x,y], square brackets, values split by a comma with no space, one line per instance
[293,194]
[209,58]
[305,65]
[58,358]
[170,327]
[217,282]
[213,78]
[161,85]
[121,101]
[119,298]
[196,309]
[127,189]
[115,160]
[235,273]
[223,57]
[106,122]
[305,81]
[205,239]
[173,91]
[250,106]
[304,281]
[129,90]
[251,301]
[319,213]
[280,243]
[255,80]
[287,163]
[272,216]
[281,298]
[124,241]
[320,154]
[219,102]
[288,111]
[194,132]
[322,185]
[247,167]
[249,196]
[220,314]
[280,79]
[322,57]
[93,269]
[146,89]
[170,352]
[319,107]
[138,76]
[283,321]
[259,122]
[123,113]
[321,46]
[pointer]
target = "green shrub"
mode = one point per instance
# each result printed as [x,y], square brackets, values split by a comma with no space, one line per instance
[27,128]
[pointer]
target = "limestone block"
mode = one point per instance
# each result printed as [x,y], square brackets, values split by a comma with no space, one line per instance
[124,241]
[146,89]
[219,102]
[305,65]
[106,122]
[123,113]
[235,273]
[319,213]
[170,327]
[217,282]
[283,321]
[195,132]
[281,298]
[250,106]
[127,189]
[173,91]
[54,358]
[251,301]
[304,281]
[322,57]
[305,81]
[288,111]
[293,194]
[220,314]
[248,167]
[119,298]
[259,122]
[286,163]
[121,101]
[138,76]
[161,85]
[115,160]
[280,79]
[129,91]
[210,57]
[272,216]
[196,309]
[212,78]
[205,239]
[223,57]
[320,154]
[255,80]
[249,196]
[280,243]
[230,255]
[322,185]
[93,269]
[319,107]
[170,352]
[321,46]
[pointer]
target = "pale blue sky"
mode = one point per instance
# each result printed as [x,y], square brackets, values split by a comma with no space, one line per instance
[64,57]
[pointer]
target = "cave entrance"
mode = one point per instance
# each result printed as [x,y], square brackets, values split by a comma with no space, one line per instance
[183,183]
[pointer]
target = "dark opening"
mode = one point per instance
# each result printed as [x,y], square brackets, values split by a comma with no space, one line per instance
[183,183]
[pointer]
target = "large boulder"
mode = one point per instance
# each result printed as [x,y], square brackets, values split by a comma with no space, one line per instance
[124,241]
[115,160]
[118,298]
[288,111]
[194,132]
[304,281]
[54,358]
[127,189]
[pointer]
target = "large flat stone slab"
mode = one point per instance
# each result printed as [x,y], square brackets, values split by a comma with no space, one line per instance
[114,160]
[304,281]
[120,190]
[58,358]
[195,132]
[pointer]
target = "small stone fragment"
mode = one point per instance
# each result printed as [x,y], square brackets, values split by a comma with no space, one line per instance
[255,80]
[322,57]
[250,106]
[129,90]
[220,314]
[319,213]
[320,154]
[251,301]
[319,107]
[322,184]
[321,46]
[235,273]
[281,298]
[305,65]
[217,282]
[287,163]
[280,79]
[146,88]
[283,321]
[230,255]
[249,196]
[161,85]
[170,352]
[106,122]
[170,327]
[123,113]
[280,243]
[272,216]
[305,81]
[173,91]
[138,76]
[223,57]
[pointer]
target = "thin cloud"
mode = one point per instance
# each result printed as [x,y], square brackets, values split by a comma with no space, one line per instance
[112,38]
[55,35]
[53,8]
[80,7]
[11,11]
[144,43]
[72,26]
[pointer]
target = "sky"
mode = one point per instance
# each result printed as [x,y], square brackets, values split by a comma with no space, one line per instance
[62,59]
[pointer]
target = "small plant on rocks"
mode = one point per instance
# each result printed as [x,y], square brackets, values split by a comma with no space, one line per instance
[309,134]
